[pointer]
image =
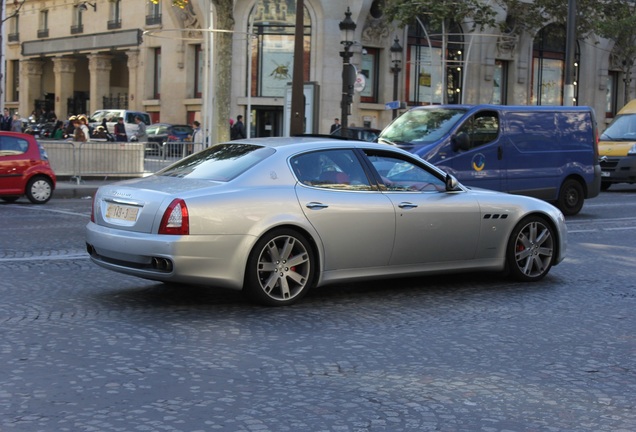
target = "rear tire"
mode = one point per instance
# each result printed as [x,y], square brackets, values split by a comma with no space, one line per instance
[39,190]
[571,197]
[530,251]
[280,269]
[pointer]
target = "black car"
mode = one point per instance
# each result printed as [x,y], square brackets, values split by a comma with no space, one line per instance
[160,134]
[359,133]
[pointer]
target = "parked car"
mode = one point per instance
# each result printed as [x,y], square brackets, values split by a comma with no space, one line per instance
[359,133]
[546,152]
[111,116]
[24,169]
[617,148]
[275,217]
[167,139]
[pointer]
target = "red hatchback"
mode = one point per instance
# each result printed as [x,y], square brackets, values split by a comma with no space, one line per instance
[24,169]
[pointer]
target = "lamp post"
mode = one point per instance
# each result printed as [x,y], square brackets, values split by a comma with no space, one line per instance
[396,59]
[347,29]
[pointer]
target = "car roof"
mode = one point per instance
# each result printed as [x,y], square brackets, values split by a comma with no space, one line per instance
[303,143]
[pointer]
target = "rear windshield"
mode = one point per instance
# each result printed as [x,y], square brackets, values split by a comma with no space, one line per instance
[421,126]
[623,128]
[221,162]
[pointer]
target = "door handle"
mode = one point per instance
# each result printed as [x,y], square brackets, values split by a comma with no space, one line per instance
[407,205]
[316,205]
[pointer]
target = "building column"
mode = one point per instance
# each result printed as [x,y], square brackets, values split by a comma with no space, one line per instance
[134,101]
[30,85]
[64,69]
[99,66]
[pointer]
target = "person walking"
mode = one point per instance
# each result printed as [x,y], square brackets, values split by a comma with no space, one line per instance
[335,126]
[238,130]
[140,135]
[16,124]
[120,130]
[7,120]
[197,137]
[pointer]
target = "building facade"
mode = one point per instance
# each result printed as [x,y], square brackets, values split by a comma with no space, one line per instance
[71,57]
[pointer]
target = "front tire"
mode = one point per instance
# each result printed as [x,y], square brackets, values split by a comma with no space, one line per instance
[39,190]
[571,197]
[280,269]
[531,249]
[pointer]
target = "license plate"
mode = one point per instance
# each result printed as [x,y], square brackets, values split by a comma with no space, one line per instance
[122,212]
[605,174]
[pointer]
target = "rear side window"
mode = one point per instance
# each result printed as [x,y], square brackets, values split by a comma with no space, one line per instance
[10,146]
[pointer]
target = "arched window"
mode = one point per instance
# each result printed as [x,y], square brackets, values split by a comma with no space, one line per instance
[426,82]
[272,54]
[548,66]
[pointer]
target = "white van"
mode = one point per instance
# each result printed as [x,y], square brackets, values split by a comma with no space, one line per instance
[111,116]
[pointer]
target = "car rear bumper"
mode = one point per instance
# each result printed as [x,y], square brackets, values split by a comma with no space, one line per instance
[211,260]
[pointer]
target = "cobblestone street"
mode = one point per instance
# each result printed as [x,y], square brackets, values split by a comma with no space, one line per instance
[84,349]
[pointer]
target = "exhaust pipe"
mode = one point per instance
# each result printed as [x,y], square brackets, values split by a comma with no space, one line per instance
[161,264]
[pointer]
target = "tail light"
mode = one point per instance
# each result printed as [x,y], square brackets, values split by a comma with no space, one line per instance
[93,209]
[175,220]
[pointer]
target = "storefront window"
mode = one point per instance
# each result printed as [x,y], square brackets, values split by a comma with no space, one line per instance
[273,49]
[427,74]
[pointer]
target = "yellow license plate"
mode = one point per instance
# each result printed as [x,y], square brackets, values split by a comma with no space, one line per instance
[122,212]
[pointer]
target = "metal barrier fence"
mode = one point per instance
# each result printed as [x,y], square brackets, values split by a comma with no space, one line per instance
[113,159]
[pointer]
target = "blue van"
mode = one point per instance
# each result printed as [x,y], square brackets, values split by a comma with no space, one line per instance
[546,152]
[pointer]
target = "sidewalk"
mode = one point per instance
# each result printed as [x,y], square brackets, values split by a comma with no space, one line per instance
[69,188]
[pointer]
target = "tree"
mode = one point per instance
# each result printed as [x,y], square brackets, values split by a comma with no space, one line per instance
[224,21]
[617,22]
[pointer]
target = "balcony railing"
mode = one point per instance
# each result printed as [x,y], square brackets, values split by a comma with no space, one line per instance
[114,24]
[77,29]
[153,19]
[43,33]
[13,37]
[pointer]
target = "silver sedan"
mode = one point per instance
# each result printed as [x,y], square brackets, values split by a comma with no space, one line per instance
[275,217]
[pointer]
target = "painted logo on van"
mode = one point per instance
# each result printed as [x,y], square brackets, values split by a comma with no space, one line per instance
[479,162]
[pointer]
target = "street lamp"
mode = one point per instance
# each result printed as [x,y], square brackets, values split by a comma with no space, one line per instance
[347,29]
[396,59]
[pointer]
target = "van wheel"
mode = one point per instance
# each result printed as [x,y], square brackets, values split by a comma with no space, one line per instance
[571,197]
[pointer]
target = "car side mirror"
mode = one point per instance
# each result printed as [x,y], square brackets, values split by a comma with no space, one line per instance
[460,142]
[451,183]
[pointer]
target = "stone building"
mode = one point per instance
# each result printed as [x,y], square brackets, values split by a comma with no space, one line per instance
[71,56]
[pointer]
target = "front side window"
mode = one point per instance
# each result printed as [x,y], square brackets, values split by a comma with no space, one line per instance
[481,128]
[272,53]
[403,175]
[331,169]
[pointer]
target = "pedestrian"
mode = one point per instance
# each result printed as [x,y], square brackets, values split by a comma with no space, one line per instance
[120,130]
[16,124]
[196,137]
[58,130]
[5,123]
[238,129]
[140,135]
[84,126]
[335,126]
[70,126]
